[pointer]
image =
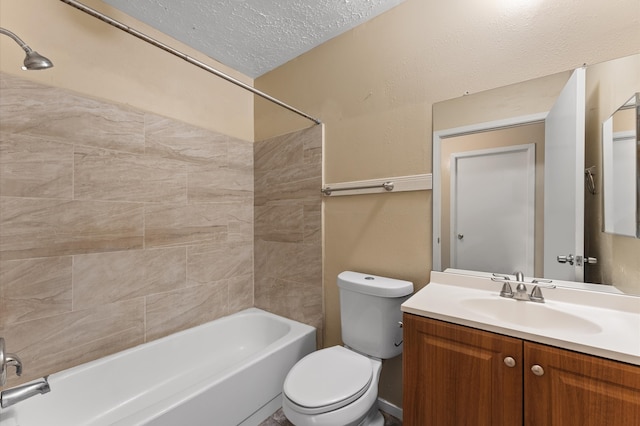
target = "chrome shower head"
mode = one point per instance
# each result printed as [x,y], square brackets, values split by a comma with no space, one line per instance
[33,60]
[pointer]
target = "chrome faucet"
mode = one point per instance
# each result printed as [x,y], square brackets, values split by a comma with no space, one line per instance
[12,396]
[8,360]
[19,393]
[521,288]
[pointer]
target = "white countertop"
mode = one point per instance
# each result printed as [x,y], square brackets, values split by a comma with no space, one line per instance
[595,323]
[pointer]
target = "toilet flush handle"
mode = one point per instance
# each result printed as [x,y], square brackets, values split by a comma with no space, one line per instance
[399,325]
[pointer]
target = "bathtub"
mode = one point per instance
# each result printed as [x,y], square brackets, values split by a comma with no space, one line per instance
[226,372]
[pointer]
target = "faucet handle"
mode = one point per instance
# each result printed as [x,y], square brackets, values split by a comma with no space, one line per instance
[506,290]
[539,283]
[499,278]
[8,360]
[536,293]
[14,361]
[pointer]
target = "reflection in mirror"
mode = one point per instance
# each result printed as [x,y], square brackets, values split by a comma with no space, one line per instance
[489,180]
[620,157]
[491,186]
[527,103]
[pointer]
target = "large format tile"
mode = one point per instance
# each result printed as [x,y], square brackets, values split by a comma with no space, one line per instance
[34,288]
[215,262]
[169,225]
[290,261]
[280,222]
[110,277]
[290,183]
[219,184]
[312,223]
[178,310]
[52,344]
[101,174]
[240,221]
[240,293]
[278,153]
[172,139]
[57,114]
[312,145]
[240,154]
[35,167]
[43,228]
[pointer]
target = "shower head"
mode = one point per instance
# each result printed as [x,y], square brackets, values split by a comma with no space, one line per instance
[33,60]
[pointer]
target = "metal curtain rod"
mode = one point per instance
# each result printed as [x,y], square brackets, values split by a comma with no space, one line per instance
[183,56]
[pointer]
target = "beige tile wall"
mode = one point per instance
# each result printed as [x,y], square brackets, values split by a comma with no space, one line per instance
[116,226]
[288,237]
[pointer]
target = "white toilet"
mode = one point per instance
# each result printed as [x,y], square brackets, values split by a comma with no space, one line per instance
[338,386]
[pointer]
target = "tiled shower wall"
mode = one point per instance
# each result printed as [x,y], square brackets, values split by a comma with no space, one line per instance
[116,226]
[288,231]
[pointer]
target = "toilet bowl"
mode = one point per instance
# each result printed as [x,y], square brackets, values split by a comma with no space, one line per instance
[338,386]
[333,386]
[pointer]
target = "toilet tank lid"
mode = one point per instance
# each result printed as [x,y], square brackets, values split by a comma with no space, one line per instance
[374,285]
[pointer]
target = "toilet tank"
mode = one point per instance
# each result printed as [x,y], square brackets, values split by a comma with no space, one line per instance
[370,313]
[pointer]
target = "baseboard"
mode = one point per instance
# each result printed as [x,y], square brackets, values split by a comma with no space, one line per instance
[390,408]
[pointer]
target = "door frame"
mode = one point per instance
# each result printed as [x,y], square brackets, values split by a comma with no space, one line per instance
[438,137]
[530,150]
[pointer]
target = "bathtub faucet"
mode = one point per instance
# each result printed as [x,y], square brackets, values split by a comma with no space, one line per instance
[20,393]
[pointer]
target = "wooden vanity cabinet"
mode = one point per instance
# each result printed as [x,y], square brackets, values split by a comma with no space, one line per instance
[456,375]
[578,389]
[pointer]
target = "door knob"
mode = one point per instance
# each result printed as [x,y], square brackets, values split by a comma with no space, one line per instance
[460,236]
[510,362]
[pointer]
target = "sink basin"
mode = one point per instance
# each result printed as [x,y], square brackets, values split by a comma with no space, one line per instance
[529,314]
[595,323]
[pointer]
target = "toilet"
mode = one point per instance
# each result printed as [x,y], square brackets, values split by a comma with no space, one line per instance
[338,386]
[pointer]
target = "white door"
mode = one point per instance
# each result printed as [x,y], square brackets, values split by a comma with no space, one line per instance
[564,183]
[493,209]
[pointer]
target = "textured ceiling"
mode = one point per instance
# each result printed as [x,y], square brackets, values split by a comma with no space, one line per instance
[253,36]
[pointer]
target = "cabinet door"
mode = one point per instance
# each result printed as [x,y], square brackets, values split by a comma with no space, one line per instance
[576,389]
[456,375]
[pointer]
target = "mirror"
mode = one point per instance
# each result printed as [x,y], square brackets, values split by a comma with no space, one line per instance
[513,108]
[620,158]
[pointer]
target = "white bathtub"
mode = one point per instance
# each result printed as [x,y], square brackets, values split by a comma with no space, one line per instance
[226,372]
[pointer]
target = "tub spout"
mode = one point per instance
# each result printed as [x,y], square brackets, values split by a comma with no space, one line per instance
[12,396]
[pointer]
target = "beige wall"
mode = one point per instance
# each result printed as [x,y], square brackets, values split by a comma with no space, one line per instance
[609,86]
[117,226]
[374,87]
[96,59]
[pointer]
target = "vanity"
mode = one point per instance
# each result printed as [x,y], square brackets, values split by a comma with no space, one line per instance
[473,357]
[541,177]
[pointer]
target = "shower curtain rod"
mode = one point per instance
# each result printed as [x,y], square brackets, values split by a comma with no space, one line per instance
[183,56]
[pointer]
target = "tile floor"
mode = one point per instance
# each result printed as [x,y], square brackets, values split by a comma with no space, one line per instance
[278,419]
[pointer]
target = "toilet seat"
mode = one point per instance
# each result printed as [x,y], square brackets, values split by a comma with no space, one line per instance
[328,379]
